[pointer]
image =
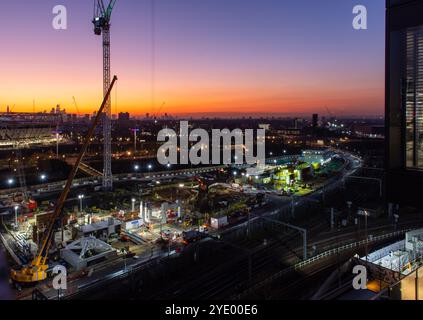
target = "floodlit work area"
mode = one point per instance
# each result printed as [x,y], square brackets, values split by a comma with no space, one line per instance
[402,257]
[395,265]
[152,217]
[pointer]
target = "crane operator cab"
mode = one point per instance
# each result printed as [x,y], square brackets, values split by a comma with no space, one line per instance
[99,23]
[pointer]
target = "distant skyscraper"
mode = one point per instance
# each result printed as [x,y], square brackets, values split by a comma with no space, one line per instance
[315,120]
[404,102]
[123,117]
[298,123]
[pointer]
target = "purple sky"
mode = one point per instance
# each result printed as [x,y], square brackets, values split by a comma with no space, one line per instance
[210,56]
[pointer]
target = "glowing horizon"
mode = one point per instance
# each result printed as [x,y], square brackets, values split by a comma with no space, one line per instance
[237,57]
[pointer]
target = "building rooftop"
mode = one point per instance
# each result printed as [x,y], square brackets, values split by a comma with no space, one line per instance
[97,226]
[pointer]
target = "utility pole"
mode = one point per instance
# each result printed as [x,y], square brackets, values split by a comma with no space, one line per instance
[57,143]
[80,197]
[135,131]
[16,216]
[133,204]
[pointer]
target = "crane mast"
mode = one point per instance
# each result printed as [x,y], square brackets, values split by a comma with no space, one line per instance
[107,125]
[101,23]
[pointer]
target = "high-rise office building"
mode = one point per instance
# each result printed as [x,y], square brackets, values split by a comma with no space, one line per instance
[315,121]
[123,117]
[404,102]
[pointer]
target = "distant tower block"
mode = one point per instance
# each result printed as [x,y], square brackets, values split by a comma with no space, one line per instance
[315,121]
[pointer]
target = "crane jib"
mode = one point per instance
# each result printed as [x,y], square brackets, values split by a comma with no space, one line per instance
[43,252]
[101,11]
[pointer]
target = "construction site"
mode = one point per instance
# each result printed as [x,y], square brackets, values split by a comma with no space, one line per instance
[87,192]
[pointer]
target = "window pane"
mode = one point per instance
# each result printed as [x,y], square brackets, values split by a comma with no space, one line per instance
[413,91]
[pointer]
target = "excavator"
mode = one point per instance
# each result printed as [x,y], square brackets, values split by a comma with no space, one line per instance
[37,270]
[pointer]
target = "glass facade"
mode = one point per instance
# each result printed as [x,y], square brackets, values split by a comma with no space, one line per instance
[412,98]
[404,102]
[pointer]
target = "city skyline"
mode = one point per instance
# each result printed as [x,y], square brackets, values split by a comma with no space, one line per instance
[213,57]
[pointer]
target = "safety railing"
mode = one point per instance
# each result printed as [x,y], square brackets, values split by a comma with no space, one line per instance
[321,256]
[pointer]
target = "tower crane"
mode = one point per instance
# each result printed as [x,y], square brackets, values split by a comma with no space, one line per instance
[101,21]
[76,105]
[37,271]
[160,109]
[156,114]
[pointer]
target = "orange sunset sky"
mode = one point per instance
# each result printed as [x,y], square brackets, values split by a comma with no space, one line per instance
[226,57]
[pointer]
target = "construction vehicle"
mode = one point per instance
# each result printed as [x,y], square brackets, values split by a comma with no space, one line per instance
[191,236]
[37,271]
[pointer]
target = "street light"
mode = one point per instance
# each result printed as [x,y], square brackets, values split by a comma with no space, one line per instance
[16,215]
[43,177]
[10,182]
[136,167]
[365,213]
[80,197]
[133,204]
[150,167]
